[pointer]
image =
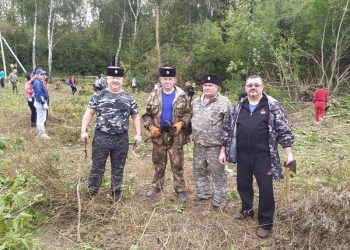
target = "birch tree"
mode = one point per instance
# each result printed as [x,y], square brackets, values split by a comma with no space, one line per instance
[157,35]
[50,30]
[120,39]
[135,13]
[34,34]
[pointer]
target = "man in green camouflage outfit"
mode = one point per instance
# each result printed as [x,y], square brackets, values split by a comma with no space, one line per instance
[168,112]
[209,111]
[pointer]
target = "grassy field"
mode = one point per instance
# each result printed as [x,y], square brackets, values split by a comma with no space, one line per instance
[39,181]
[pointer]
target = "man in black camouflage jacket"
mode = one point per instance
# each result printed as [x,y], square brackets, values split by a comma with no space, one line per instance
[112,106]
[258,124]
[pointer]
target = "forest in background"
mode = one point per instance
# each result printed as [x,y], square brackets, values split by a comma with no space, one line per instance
[293,44]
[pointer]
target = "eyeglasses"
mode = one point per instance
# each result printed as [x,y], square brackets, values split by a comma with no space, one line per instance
[256,85]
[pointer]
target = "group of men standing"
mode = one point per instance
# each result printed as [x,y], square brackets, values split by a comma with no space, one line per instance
[246,134]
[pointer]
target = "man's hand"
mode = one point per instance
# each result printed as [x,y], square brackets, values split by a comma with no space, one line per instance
[222,156]
[289,155]
[46,106]
[178,127]
[84,136]
[155,132]
[137,139]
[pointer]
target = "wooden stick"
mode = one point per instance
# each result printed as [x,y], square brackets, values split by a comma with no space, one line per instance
[287,187]
[79,208]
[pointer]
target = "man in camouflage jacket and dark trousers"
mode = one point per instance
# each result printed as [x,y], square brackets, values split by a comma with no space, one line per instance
[113,106]
[168,112]
[260,124]
[208,113]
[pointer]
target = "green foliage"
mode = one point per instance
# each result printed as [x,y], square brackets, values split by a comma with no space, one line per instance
[128,182]
[13,142]
[134,247]
[54,157]
[232,195]
[178,208]
[279,40]
[17,214]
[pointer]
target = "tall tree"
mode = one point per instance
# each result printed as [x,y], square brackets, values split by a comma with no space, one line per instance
[120,39]
[50,30]
[157,9]
[137,4]
[34,34]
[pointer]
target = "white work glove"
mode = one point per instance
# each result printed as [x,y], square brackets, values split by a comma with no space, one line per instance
[46,106]
[137,139]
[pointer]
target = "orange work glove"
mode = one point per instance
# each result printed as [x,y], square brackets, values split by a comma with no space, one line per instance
[155,132]
[178,127]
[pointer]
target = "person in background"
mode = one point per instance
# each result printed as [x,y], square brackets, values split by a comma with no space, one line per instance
[28,87]
[257,124]
[2,79]
[134,84]
[97,86]
[208,113]
[189,90]
[113,107]
[13,80]
[41,102]
[103,82]
[157,86]
[72,84]
[167,114]
[320,100]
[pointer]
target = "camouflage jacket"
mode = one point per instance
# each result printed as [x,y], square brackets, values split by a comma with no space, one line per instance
[113,111]
[208,119]
[181,111]
[279,132]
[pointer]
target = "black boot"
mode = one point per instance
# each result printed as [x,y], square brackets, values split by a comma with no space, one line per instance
[152,191]
[116,195]
[181,197]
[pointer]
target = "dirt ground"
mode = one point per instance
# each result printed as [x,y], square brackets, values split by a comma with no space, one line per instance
[138,222]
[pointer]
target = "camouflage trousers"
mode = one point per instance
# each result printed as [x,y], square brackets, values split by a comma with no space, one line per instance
[205,165]
[160,153]
[103,145]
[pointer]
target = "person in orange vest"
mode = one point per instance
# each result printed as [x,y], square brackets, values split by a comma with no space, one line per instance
[320,100]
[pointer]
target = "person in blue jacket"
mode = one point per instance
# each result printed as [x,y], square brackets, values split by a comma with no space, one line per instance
[41,102]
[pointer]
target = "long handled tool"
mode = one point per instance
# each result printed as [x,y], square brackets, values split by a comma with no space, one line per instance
[290,167]
[78,195]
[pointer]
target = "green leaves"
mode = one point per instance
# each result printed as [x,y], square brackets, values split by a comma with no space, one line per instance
[17,215]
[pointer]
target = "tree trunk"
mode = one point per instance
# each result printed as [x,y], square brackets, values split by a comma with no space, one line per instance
[135,14]
[3,55]
[34,36]
[120,39]
[50,29]
[337,51]
[157,36]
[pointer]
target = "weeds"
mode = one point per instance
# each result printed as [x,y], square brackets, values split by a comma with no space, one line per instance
[18,215]
[317,217]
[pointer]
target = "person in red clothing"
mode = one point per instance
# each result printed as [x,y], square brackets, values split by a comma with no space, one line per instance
[28,87]
[320,100]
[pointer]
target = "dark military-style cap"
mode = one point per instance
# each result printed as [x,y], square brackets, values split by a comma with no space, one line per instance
[167,72]
[115,71]
[211,78]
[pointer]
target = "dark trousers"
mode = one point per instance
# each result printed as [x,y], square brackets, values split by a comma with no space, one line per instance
[74,89]
[14,87]
[33,112]
[104,145]
[258,165]
[2,82]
